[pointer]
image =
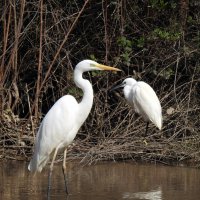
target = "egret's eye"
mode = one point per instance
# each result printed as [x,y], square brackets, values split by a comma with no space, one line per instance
[92,65]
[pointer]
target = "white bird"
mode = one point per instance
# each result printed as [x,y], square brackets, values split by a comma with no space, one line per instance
[62,122]
[142,97]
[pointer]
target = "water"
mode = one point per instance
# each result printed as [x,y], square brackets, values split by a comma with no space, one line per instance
[108,181]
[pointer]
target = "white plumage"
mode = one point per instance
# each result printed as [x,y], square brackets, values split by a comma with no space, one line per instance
[61,124]
[142,97]
[58,127]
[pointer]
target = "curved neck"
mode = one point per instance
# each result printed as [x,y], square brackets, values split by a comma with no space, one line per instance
[127,90]
[128,94]
[86,104]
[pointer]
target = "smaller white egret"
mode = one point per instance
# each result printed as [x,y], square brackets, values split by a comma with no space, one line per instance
[62,122]
[142,97]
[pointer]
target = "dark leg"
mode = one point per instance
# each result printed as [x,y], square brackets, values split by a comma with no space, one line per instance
[64,171]
[146,129]
[50,173]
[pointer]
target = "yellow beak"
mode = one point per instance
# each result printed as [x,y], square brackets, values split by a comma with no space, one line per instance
[104,67]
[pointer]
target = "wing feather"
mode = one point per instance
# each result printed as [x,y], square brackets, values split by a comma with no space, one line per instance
[147,103]
[52,132]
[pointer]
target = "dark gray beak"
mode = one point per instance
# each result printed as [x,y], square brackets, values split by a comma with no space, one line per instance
[116,87]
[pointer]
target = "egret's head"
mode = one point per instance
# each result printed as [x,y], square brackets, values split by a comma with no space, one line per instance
[127,82]
[90,65]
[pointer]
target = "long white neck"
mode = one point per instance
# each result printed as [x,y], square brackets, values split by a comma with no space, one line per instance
[86,104]
[127,94]
[127,90]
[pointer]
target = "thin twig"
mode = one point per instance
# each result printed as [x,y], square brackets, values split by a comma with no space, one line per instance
[63,42]
[39,63]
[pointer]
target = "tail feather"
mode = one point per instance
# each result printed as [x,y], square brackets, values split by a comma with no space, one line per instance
[36,165]
[159,123]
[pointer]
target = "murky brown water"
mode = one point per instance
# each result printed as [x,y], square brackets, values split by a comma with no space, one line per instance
[109,181]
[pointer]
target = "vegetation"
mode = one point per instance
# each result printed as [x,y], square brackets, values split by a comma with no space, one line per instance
[156,41]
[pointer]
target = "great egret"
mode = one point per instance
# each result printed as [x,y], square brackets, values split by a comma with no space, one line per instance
[62,122]
[142,97]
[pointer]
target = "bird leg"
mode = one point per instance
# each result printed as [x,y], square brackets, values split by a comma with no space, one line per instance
[146,129]
[64,171]
[50,173]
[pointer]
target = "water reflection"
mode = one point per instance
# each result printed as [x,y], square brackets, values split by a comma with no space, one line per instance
[151,195]
[109,181]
